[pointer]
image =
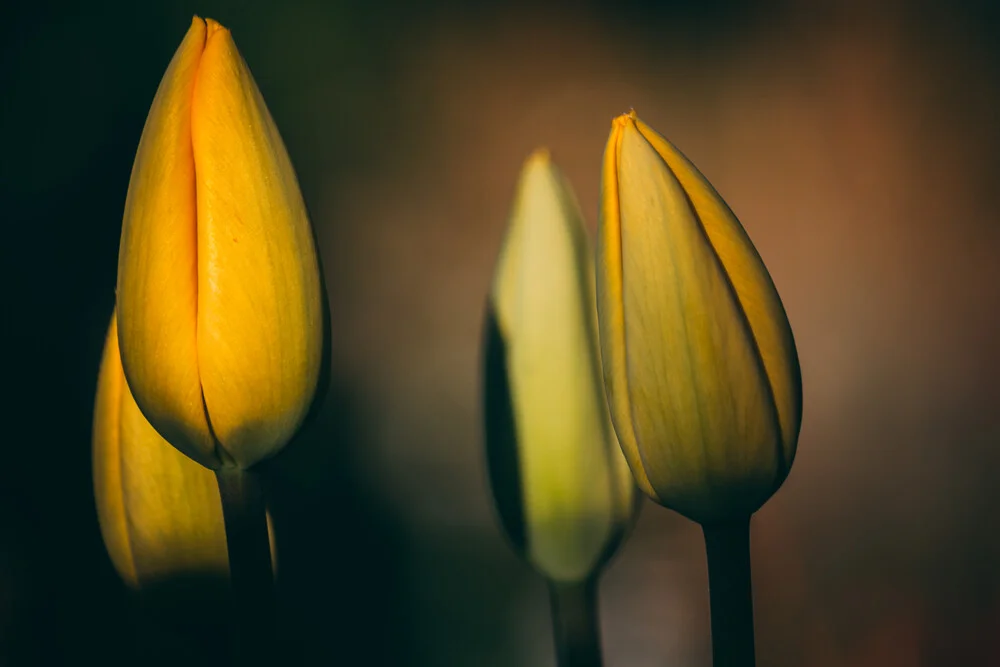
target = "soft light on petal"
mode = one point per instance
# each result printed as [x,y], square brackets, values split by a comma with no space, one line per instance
[260,329]
[106,454]
[752,283]
[611,322]
[575,492]
[699,362]
[220,296]
[159,511]
[158,264]
[693,372]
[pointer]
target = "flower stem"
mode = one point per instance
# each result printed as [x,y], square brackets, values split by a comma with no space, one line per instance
[577,627]
[730,592]
[250,572]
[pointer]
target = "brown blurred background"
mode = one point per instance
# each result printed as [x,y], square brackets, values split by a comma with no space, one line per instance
[856,141]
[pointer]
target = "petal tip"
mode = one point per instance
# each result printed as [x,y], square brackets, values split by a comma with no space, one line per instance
[216,32]
[623,120]
[212,26]
[621,125]
[196,30]
[538,165]
[540,156]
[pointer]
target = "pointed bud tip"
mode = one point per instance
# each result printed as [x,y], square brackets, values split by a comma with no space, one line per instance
[624,119]
[212,26]
[538,165]
[540,156]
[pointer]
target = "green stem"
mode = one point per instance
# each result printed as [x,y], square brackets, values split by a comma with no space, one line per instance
[250,572]
[576,624]
[731,593]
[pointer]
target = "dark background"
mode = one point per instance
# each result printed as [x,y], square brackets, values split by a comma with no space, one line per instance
[857,141]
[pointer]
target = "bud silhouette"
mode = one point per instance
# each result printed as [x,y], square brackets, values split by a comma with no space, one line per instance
[562,487]
[700,366]
[219,289]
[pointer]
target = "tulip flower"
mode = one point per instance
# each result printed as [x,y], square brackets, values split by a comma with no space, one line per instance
[159,511]
[219,291]
[562,487]
[221,318]
[700,366]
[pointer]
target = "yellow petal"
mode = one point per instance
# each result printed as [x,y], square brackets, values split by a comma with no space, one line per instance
[686,306]
[160,512]
[172,504]
[752,283]
[574,498]
[259,325]
[106,455]
[158,264]
[612,320]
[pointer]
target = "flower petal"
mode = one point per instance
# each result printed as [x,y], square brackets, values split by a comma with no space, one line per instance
[701,405]
[612,315]
[158,265]
[106,454]
[754,288]
[260,325]
[172,504]
[543,300]
[159,511]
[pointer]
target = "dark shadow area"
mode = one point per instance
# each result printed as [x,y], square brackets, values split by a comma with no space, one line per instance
[182,620]
[339,587]
[339,551]
[500,435]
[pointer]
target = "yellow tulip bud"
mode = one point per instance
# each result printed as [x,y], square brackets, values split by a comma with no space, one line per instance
[159,511]
[561,484]
[700,366]
[219,288]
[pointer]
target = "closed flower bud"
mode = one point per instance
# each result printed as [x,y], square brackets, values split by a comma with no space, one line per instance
[700,366]
[561,485]
[219,289]
[159,511]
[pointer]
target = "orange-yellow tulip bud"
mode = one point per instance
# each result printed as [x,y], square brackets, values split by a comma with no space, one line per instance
[159,511]
[219,289]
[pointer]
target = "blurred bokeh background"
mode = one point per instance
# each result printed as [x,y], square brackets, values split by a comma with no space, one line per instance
[857,141]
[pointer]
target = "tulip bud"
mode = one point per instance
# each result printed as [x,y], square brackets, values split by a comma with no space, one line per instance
[159,511]
[219,287]
[561,485]
[700,366]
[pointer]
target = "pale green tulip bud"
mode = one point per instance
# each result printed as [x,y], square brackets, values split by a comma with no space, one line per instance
[700,366]
[561,485]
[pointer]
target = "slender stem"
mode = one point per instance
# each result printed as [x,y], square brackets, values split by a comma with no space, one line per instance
[250,571]
[731,593]
[577,627]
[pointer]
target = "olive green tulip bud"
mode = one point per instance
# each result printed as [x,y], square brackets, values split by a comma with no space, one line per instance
[220,306]
[700,366]
[159,511]
[562,487]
